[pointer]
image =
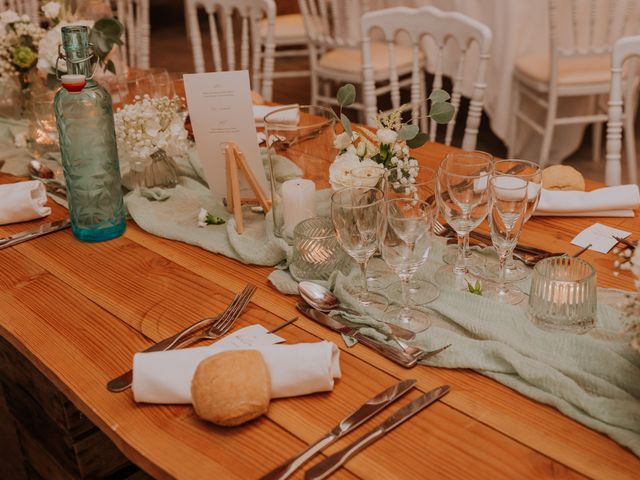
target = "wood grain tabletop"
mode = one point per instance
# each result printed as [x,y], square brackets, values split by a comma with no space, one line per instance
[79,311]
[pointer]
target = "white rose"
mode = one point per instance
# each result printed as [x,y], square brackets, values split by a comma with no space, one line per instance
[386,135]
[368,174]
[342,141]
[202,217]
[51,10]
[340,170]
[9,16]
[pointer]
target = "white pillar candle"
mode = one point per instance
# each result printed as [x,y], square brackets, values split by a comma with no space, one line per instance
[298,202]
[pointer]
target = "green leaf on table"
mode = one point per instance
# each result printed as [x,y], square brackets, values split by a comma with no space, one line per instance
[438,96]
[420,139]
[407,132]
[346,124]
[214,220]
[346,95]
[442,112]
[110,67]
[475,289]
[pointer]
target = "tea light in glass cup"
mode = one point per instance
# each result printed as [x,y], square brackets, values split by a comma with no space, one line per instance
[298,201]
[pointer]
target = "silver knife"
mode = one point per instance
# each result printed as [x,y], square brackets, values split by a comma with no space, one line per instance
[362,414]
[332,463]
[36,232]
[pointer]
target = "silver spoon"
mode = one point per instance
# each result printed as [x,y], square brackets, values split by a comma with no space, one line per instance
[323,299]
[39,170]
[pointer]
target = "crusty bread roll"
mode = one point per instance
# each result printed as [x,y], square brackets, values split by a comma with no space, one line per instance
[562,177]
[231,387]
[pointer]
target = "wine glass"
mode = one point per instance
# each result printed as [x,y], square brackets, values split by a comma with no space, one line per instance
[358,217]
[471,258]
[509,200]
[405,245]
[462,189]
[532,173]
[423,188]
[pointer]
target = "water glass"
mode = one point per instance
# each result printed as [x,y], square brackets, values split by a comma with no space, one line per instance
[563,294]
[316,251]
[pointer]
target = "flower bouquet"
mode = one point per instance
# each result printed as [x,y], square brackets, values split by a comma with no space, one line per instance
[151,133]
[388,148]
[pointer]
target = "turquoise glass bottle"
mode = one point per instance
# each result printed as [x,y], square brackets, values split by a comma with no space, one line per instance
[84,116]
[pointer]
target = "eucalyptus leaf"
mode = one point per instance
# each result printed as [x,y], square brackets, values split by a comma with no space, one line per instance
[110,67]
[438,96]
[346,95]
[346,124]
[109,28]
[419,140]
[408,132]
[442,112]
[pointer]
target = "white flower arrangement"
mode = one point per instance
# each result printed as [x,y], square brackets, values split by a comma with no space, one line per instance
[149,125]
[52,10]
[387,148]
[19,40]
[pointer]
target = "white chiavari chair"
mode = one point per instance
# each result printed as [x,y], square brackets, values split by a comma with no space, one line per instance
[256,55]
[290,39]
[582,33]
[23,7]
[134,15]
[420,24]
[624,49]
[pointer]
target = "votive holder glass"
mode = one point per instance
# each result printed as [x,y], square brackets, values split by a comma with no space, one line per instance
[563,294]
[316,251]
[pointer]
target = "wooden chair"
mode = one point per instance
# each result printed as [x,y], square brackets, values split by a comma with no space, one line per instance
[582,33]
[134,15]
[256,55]
[23,7]
[623,49]
[441,27]
[335,56]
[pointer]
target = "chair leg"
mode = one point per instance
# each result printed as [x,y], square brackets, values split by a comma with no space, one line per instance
[596,132]
[513,124]
[629,135]
[548,129]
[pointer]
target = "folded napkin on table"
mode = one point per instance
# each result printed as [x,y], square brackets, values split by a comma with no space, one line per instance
[23,201]
[619,201]
[288,117]
[165,377]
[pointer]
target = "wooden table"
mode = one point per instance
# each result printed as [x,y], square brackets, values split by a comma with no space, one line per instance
[76,312]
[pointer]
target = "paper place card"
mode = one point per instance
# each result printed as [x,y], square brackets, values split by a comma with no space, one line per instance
[600,237]
[221,112]
[251,336]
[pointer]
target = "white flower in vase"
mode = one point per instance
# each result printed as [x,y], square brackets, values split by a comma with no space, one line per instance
[9,16]
[51,10]
[340,170]
[386,136]
[369,173]
[342,141]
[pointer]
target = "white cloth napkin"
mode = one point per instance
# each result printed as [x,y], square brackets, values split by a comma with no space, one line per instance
[618,201]
[165,377]
[23,201]
[288,117]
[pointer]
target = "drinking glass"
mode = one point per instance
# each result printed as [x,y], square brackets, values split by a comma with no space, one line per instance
[506,216]
[462,190]
[316,251]
[421,292]
[405,245]
[472,259]
[532,173]
[358,217]
[161,83]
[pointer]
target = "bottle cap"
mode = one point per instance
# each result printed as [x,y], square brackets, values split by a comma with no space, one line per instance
[73,83]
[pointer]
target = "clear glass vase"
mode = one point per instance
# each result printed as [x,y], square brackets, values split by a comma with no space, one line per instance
[159,170]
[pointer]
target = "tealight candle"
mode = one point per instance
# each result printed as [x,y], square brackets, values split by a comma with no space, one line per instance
[298,203]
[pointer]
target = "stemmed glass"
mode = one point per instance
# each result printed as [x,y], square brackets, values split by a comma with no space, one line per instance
[506,216]
[462,189]
[471,258]
[405,245]
[532,173]
[424,189]
[358,217]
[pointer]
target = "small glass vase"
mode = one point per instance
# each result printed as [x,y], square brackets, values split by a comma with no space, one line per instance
[160,170]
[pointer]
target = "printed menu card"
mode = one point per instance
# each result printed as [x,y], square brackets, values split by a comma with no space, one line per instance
[221,112]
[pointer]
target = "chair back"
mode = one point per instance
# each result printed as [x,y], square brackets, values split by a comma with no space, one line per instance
[329,23]
[588,28]
[440,27]
[134,15]
[23,7]
[256,52]
[623,49]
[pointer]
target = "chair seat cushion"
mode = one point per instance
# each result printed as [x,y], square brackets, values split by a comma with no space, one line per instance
[288,28]
[350,59]
[571,71]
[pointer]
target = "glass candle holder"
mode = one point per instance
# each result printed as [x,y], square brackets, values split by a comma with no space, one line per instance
[316,251]
[563,294]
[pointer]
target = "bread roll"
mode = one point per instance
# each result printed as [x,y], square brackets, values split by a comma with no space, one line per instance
[562,177]
[231,387]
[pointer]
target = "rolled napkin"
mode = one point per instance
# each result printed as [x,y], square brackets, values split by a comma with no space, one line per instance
[23,201]
[288,117]
[618,201]
[165,377]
